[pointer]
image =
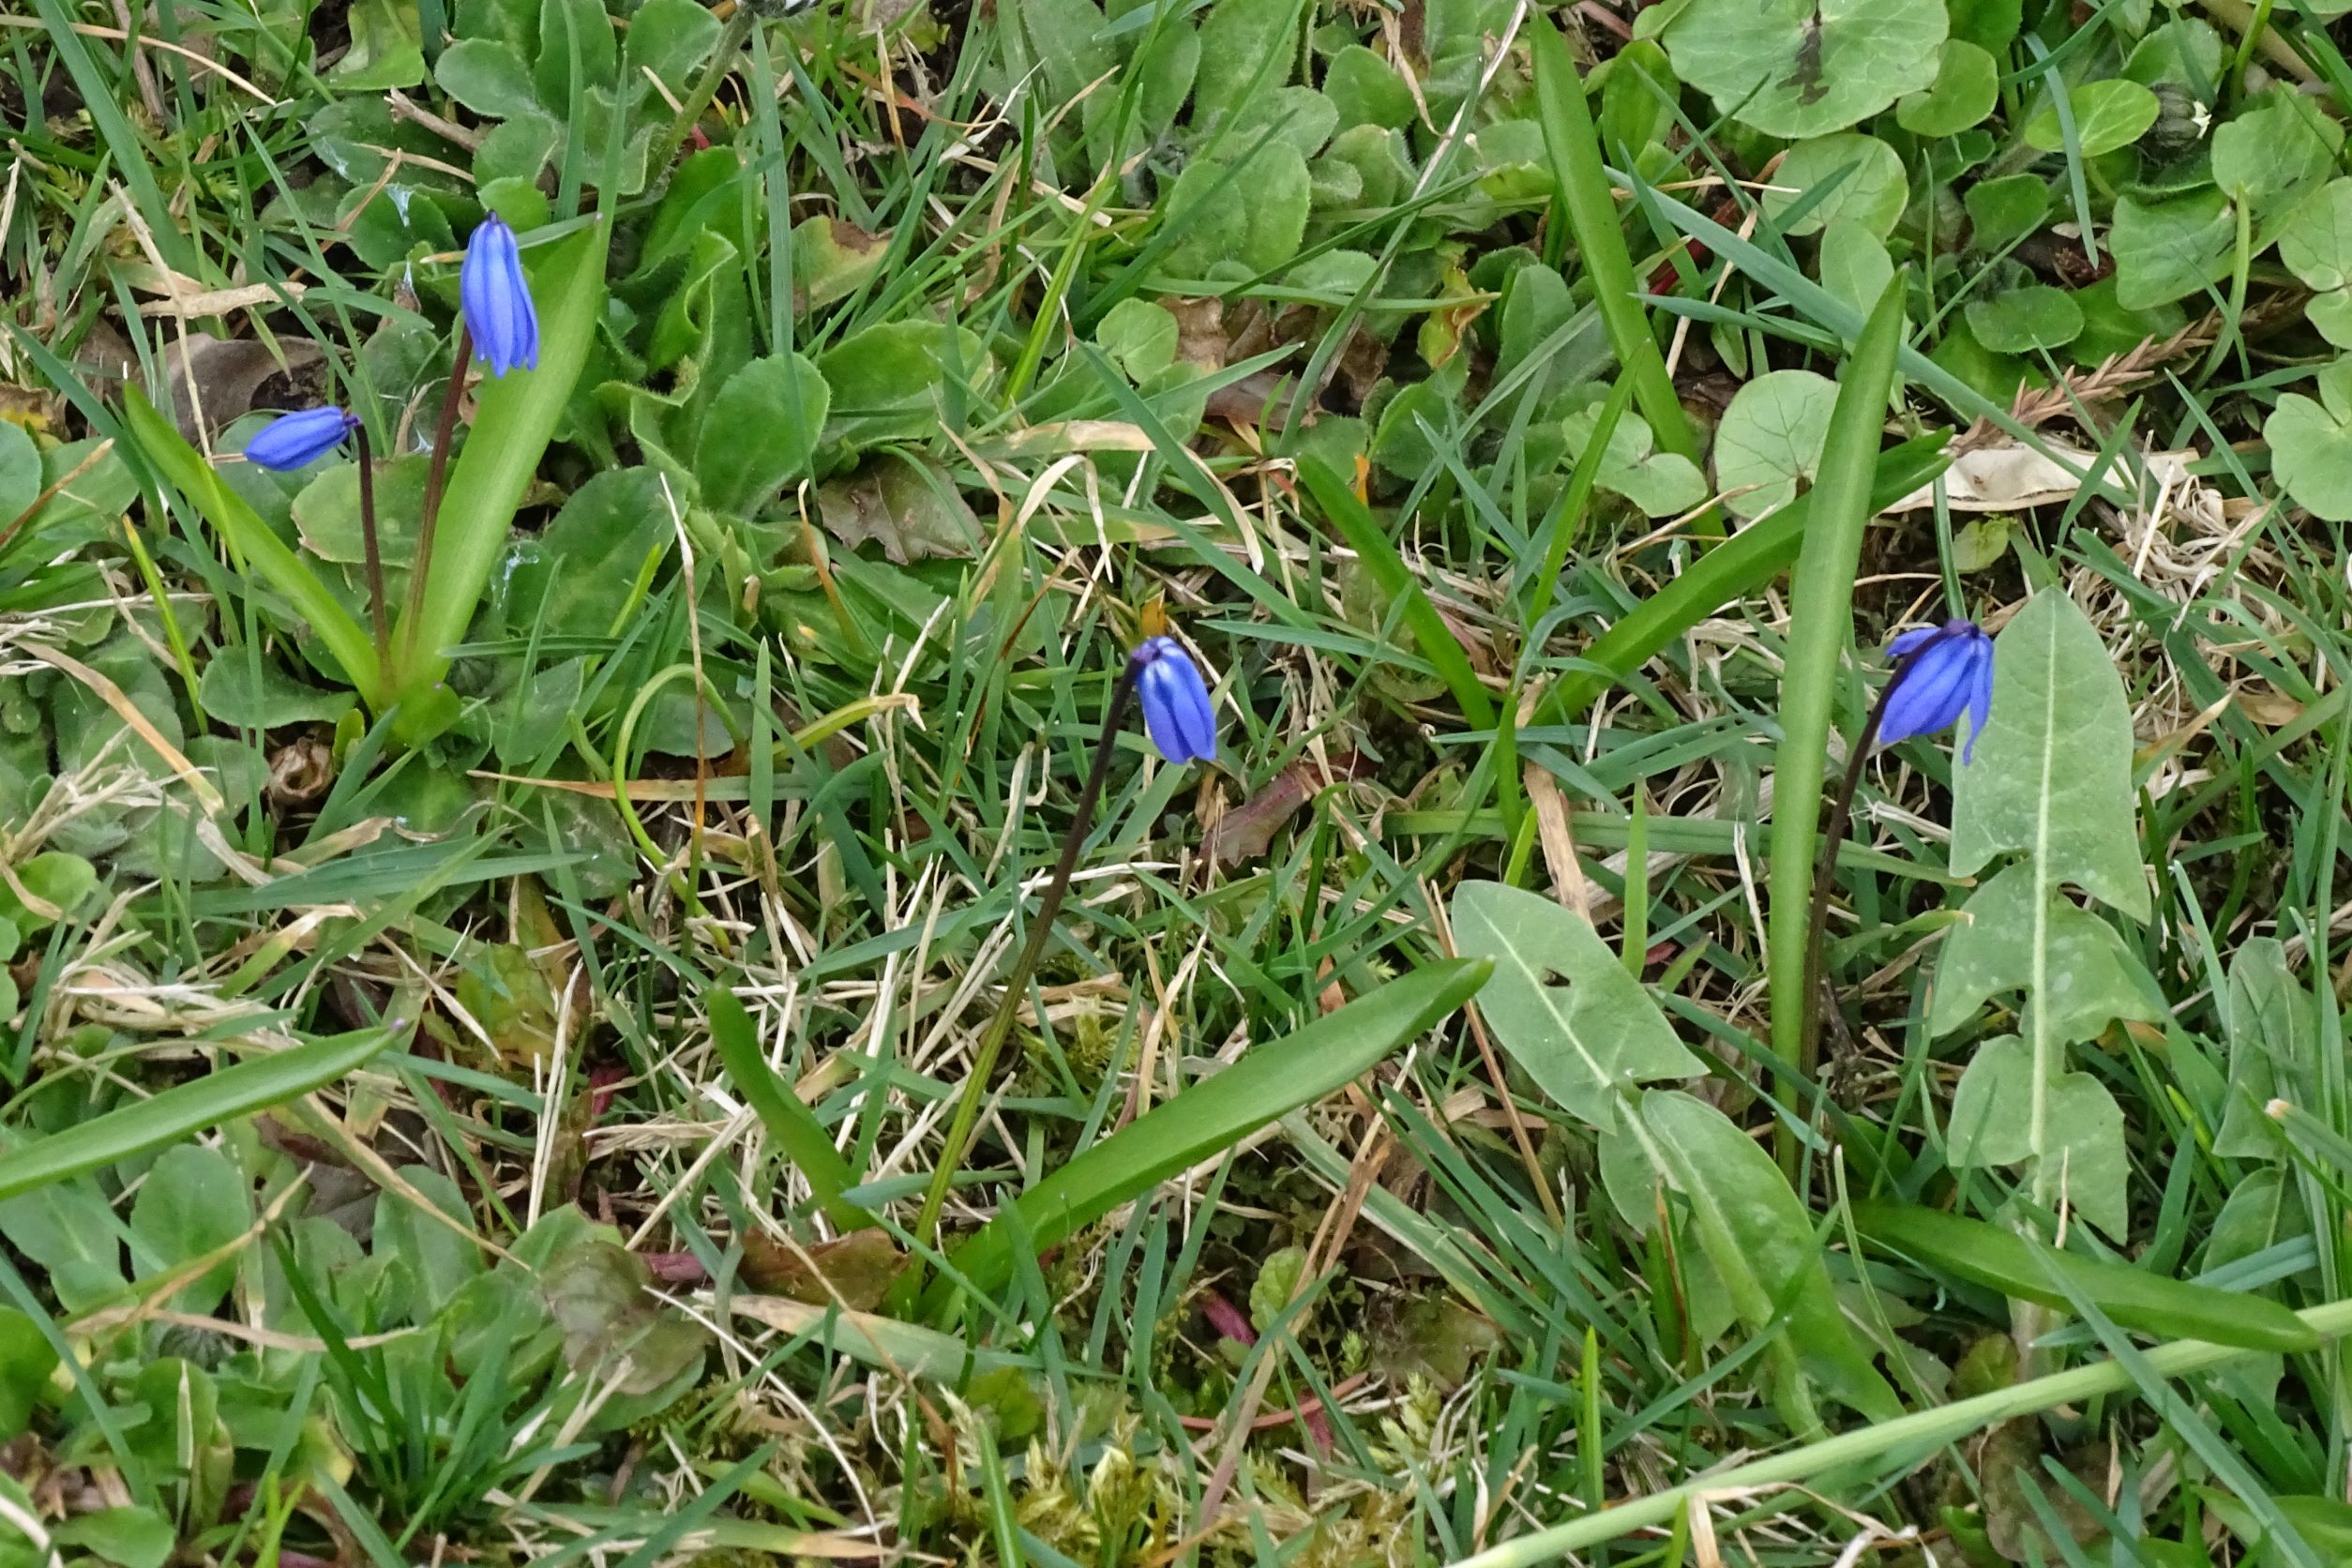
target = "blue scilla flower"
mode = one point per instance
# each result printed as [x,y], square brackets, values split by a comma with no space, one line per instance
[1941,673]
[497,299]
[294,440]
[1175,701]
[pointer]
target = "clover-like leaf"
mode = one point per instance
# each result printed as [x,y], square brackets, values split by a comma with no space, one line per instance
[1967,87]
[2316,241]
[2166,250]
[1662,484]
[2311,445]
[2107,115]
[1851,176]
[1771,438]
[1796,68]
[2018,321]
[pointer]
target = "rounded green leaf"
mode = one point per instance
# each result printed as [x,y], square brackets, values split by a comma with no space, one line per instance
[1967,86]
[2311,445]
[2166,250]
[1854,265]
[1796,68]
[2107,115]
[2316,243]
[1769,439]
[2018,321]
[2005,210]
[1853,178]
[488,77]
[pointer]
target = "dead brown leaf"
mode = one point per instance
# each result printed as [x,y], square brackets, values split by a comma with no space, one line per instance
[859,1268]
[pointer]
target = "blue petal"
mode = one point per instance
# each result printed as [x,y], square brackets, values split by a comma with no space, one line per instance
[496,298]
[1910,642]
[1929,692]
[298,440]
[1176,706]
[1980,709]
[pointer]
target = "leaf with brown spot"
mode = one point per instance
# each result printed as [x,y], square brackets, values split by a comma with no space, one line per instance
[908,506]
[1243,832]
[859,1268]
[831,260]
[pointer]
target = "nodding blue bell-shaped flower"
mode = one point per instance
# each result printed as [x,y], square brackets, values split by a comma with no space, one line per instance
[496,298]
[294,440]
[1176,705]
[1941,673]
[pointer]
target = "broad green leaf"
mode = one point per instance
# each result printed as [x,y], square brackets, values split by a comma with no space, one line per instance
[1854,264]
[1563,1004]
[488,77]
[1366,89]
[1305,119]
[1268,1082]
[1769,439]
[2022,320]
[1861,179]
[219,1096]
[127,1537]
[2316,243]
[194,1201]
[1966,87]
[2311,445]
[1064,37]
[2109,329]
[906,504]
[2064,1126]
[2000,1259]
[26,1359]
[439,1258]
[576,53]
[2051,777]
[2272,1049]
[2273,153]
[1140,337]
[1246,47]
[2184,53]
[579,573]
[2092,979]
[1662,484]
[669,38]
[2107,115]
[1759,1239]
[1639,94]
[833,260]
[2166,250]
[20,472]
[2005,210]
[2331,316]
[1798,69]
[886,379]
[385,48]
[516,415]
[761,432]
[66,1228]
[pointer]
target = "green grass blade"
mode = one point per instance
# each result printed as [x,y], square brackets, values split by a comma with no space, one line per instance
[1269,1082]
[1575,146]
[1733,570]
[517,418]
[250,538]
[1886,1445]
[1820,624]
[189,1108]
[794,1129]
[2000,1259]
[1380,555]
